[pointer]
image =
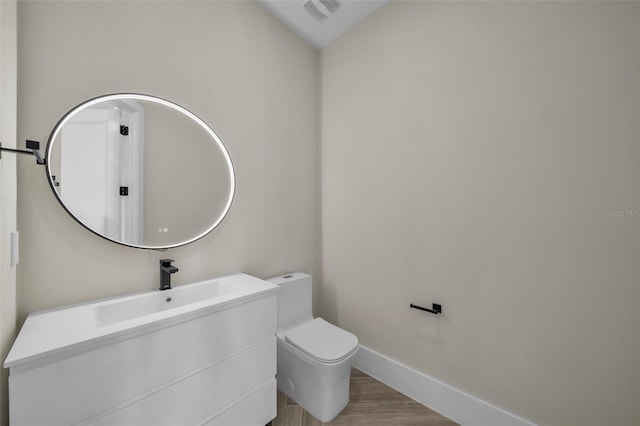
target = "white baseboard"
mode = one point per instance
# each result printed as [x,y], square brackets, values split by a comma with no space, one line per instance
[446,400]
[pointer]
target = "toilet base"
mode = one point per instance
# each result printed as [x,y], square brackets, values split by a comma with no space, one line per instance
[322,389]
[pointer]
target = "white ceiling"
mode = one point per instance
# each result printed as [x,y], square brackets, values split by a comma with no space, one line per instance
[292,13]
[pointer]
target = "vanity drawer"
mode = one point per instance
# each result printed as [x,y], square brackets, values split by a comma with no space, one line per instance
[258,408]
[90,384]
[200,397]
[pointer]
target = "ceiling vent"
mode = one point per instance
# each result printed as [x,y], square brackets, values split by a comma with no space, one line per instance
[321,9]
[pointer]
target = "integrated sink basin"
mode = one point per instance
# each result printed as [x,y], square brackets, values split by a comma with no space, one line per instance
[159,301]
[65,329]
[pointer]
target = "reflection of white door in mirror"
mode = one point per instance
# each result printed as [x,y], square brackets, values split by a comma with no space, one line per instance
[92,188]
[179,176]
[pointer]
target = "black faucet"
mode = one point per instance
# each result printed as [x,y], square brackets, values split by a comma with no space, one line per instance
[166,269]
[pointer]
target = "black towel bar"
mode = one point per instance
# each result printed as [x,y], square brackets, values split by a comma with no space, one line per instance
[33,147]
[437,309]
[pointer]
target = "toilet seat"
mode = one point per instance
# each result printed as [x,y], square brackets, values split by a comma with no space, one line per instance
[322,341]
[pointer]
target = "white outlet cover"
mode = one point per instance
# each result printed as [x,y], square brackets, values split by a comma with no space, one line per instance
[15,248]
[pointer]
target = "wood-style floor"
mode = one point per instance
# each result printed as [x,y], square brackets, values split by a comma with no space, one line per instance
[371,404]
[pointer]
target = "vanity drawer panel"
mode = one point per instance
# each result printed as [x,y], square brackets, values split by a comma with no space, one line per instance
[258,408]
[76,388]
[196,399]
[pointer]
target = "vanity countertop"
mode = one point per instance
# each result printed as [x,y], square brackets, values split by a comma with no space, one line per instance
[47,335]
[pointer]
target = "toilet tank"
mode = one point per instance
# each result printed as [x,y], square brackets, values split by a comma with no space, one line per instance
[294,299]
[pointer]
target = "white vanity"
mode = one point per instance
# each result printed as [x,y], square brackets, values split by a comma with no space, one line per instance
[198,354]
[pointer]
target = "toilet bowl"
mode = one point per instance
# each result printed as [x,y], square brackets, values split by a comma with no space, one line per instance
[314,356]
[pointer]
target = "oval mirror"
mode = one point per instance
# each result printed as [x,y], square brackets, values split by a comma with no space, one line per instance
[140,171]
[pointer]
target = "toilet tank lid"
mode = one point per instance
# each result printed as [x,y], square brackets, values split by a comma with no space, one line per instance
[322,340]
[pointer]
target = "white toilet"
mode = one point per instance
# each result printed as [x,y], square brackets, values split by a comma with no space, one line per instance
[314,356]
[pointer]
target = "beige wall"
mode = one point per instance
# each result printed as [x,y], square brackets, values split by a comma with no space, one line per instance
[8,65]
[469,154]
[233,65]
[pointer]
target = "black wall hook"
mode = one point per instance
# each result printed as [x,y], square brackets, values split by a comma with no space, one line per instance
[437,309]
[32,146]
